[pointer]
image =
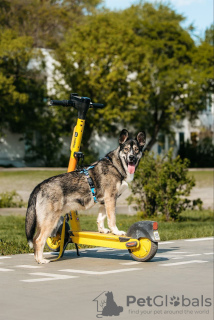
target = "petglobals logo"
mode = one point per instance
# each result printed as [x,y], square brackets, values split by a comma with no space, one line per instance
[106,305]
[166,301]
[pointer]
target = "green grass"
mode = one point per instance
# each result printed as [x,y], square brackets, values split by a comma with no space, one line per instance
[25,174]
[204,179]
[194,224]
[24,180]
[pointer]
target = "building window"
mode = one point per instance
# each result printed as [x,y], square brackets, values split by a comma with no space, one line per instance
[181,138]
[194,138]
[171,140]
[161,143]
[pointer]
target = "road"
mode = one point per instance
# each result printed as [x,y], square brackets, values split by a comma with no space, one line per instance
[176,284]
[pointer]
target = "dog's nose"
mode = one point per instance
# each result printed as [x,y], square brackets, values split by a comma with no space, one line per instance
[131,158]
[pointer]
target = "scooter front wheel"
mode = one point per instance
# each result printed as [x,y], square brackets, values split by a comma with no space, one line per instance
[145,251]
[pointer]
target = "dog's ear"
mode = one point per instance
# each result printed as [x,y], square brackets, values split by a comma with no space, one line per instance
[141,138]
[123,136]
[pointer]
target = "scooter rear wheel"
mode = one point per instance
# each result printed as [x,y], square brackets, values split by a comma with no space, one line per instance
[145,252]
[53,243]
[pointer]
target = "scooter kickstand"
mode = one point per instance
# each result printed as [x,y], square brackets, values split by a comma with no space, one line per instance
[77,248]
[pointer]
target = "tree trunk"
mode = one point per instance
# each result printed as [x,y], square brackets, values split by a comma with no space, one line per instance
[150,144]
[157,128]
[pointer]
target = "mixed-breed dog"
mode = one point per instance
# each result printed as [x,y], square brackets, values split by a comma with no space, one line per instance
[57,195]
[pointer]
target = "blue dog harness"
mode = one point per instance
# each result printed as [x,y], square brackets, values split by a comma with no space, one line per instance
[90,182]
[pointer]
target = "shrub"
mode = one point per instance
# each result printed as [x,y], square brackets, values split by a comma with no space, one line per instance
[11,199]
[160,186]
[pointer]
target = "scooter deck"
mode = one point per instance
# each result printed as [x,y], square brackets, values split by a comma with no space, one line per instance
[102,240]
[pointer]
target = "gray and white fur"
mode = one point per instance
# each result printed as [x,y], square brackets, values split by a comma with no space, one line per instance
[70,191]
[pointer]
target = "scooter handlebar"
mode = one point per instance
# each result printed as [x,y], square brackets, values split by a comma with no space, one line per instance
[97,105]
[70,103]
[64,103]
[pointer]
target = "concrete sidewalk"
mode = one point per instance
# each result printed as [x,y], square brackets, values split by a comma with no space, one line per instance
[176,284]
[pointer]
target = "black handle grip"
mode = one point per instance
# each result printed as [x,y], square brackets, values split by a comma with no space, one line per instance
[64,103]
[97,105]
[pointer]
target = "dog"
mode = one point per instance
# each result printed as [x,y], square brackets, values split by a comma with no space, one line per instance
[71,191]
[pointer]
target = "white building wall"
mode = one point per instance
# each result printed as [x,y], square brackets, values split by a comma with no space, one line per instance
[12,150]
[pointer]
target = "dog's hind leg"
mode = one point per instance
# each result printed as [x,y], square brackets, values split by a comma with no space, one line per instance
[43,232]
[38,229]
[39,244]
[100,220]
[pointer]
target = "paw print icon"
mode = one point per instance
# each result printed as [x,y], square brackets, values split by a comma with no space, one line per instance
[175,301]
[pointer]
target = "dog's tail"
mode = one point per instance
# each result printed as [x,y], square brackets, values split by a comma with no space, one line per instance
[30,221]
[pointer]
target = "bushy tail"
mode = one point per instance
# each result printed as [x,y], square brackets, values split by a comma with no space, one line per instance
[30,221]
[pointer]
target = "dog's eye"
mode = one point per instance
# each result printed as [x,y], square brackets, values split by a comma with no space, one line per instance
[126,149]
[136,150]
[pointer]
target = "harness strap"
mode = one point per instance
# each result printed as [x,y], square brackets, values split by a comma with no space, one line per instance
[90,182]
[62,242]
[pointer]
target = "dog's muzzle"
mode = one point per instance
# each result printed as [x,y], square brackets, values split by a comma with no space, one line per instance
[131,164]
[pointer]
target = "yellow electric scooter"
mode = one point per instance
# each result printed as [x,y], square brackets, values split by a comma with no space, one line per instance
[142,237]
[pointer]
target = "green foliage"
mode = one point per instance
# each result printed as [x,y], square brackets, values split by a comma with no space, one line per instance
[27,26]
[44,21]
[14,57]
[11,199]
[209,35]
[22,88]
[141,63]
[200,155]
[161,185]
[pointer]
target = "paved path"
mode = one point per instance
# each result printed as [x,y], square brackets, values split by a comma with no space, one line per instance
[176,284]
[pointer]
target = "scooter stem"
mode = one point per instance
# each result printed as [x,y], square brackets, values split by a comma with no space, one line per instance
[75,143]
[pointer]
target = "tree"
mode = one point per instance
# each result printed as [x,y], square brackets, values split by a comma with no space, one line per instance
[23,108]
[141,63]
[26,26]
[209,35]
[44,20]
[17,82]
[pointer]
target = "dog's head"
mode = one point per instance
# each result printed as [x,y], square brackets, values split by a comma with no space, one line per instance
[131,149]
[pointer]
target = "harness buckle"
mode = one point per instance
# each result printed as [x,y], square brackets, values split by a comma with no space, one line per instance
[79,156]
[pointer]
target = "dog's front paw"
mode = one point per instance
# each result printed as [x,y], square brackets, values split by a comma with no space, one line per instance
[104,230]
[121,233]
[43,261]
[118,232]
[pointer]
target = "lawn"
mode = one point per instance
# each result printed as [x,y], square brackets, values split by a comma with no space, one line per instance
[24,181]
[194,224]
[204,179]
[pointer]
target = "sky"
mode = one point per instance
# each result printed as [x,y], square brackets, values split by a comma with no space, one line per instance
[198,12]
